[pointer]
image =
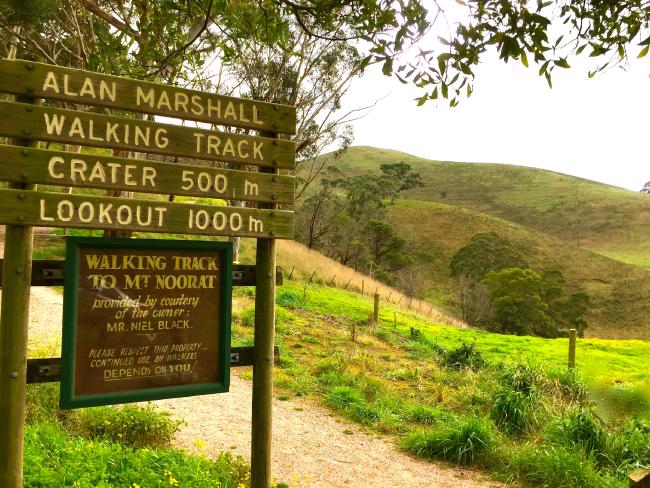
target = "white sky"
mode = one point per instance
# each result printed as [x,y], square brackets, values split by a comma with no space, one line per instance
[597,129]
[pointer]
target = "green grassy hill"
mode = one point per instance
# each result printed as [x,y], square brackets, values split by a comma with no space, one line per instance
[618,291]
[597,235]
[606,219]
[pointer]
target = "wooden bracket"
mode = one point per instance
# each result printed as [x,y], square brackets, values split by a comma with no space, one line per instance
[51,272]
[48,370]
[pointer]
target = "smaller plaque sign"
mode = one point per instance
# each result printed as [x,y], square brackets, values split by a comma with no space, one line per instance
[145,320]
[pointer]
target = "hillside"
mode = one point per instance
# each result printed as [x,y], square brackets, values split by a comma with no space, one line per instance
[597,235]
[606,219]
[617,290]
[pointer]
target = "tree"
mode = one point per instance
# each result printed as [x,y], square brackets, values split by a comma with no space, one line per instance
[517,298]
[526,302]
[485,252]
[399,177]
[318,216]
[570,312]
[547,33]
[386,250]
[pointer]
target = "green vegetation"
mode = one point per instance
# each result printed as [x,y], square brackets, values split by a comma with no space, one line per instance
[113,446]
[54,458]
[504,403]
[345,221]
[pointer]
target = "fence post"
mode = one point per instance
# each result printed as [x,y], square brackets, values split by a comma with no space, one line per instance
[640,478]
[572,348]
[375,313]
[363,285]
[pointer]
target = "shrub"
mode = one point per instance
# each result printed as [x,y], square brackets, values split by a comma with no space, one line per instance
[567,382]
[290,300]
[42,404]
[629,446]
[282,316]
[521,378]
[554,467]
[580,428]
[131,425]
[516,401]
[419,337]
[423,414]
[343,397]
[511,410]
[462,442]
[465,356]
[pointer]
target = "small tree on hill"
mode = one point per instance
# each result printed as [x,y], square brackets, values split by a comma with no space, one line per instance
[526,302]
[519,306]
[485,252]
[399,177]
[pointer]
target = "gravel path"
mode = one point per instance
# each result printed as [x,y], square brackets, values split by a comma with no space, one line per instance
[312,447]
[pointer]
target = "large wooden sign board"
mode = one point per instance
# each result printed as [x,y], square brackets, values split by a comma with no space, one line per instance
[119,344]
[144,320]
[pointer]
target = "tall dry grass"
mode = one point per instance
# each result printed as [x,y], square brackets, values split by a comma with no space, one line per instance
[301,263]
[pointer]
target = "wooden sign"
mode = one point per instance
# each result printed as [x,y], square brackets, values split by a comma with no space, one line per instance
[88,88]
[30,122]
[145,319]
[23,165]
[42,209]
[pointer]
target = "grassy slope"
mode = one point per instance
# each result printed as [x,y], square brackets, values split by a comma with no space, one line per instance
[617,290]
[396,385]
[606,219]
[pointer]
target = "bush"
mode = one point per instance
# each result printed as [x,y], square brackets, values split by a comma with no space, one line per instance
[462,442]
[554,467]
[42,404]
[419,337]
[521,378]
[465,356]
[629,446]
[580,428]
[130,425]
[516,401]
[282,316]
[567,382]
[290,300]
[511,410]
[423,414]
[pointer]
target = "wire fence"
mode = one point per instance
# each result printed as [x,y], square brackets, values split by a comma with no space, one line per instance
[303,264]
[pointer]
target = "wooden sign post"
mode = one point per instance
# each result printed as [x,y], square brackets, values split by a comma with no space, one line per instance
[126,371]
[14,324]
